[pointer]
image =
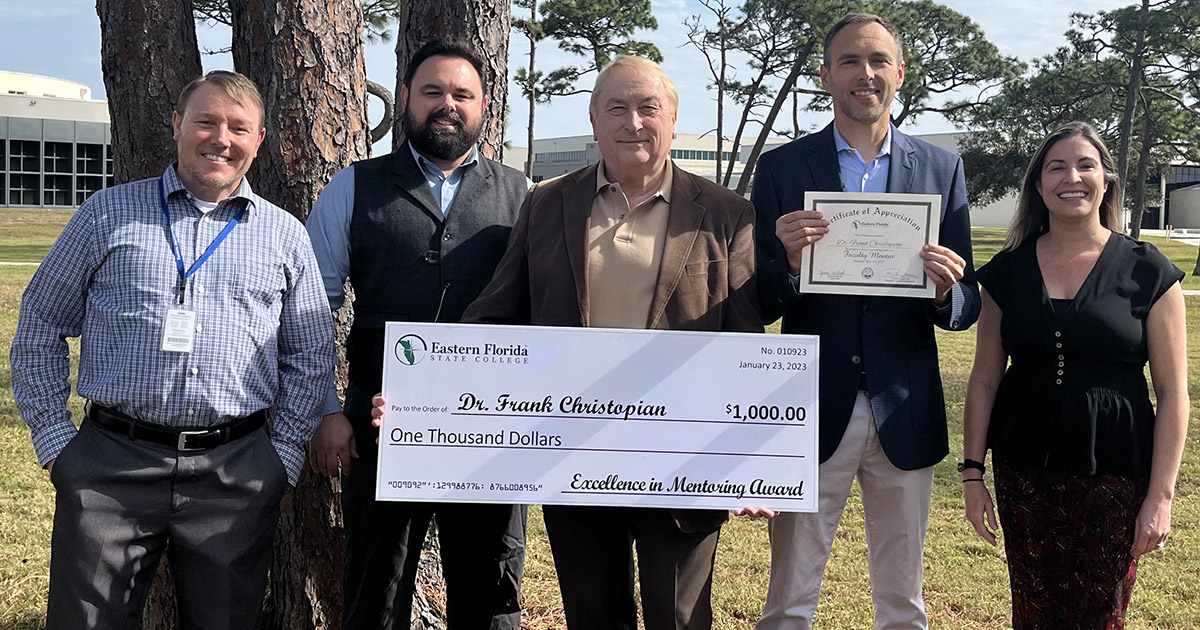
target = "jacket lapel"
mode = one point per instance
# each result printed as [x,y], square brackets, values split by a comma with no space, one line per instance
[684,218]
[410,178]
[903,164]
[823,162]
[576,208]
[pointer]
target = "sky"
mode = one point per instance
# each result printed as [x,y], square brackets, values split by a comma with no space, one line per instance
[61,38]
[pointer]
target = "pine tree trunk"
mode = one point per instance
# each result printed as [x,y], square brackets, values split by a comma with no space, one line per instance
[483,24]
[148,54]
[1132,93]
[533,95]
[1138,209]
[307,59]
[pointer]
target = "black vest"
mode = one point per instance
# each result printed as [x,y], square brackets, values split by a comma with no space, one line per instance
[408,264]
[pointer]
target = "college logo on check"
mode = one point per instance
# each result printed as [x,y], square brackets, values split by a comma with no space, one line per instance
[410,349]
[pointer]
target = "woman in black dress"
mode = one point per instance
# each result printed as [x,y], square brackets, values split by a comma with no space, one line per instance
[1085,466]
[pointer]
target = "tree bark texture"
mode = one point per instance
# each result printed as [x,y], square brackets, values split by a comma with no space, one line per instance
[307,60]
[148,54]
[483,24]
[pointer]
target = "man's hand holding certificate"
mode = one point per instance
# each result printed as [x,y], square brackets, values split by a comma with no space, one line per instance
[870,244]
[515,414]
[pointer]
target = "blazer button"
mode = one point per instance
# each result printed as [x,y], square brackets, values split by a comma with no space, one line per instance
[856,359]
[866,310]
[446,236]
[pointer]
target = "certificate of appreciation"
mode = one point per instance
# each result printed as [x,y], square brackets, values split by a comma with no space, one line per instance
[873,245]
[596,416]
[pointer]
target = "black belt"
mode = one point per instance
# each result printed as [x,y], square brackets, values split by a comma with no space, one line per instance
[182,439]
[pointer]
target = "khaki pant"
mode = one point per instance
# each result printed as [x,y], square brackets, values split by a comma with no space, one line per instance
[896,505]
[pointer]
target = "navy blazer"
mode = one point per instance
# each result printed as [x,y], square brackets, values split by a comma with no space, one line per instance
[890,338]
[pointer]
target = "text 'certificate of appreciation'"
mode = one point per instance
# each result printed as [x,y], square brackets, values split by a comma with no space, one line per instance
[596,416]
[873,246]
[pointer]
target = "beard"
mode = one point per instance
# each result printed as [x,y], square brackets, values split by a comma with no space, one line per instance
[863,114]
[440,143]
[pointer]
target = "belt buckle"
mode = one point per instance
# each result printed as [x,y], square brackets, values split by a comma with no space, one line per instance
[181,443]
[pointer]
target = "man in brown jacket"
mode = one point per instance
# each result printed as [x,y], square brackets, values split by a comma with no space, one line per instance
[631,242]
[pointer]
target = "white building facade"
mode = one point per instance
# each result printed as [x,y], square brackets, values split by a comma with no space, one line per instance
[54,140]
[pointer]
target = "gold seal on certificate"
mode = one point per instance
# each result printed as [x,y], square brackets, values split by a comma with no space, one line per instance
[873,246]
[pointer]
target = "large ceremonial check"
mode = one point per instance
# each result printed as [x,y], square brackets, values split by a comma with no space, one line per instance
[596,416]
[873,245]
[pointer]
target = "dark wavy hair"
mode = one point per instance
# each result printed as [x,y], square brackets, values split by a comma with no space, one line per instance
[1032,218]
[444,47]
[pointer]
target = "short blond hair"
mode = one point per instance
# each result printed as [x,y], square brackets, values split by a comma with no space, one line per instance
[639,66]
[238,86]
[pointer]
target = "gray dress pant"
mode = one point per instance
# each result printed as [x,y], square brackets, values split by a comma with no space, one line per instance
[119,501]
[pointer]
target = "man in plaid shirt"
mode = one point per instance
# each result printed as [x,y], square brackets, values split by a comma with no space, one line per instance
[200,308]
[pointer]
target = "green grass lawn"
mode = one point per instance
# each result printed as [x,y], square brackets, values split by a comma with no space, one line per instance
[966,581]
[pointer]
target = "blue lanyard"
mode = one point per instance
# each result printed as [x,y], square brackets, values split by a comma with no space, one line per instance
[175,249]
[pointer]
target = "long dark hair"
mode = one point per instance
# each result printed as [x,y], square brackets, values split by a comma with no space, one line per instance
[1032,218]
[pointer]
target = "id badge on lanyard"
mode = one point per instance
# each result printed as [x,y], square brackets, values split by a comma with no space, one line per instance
[179,331]
[179,325]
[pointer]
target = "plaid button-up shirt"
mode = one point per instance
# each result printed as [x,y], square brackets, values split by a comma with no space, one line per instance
[263,335]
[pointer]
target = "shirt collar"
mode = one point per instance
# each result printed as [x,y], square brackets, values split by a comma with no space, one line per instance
[173,185]
[430,168]
[841,145]
[664,189]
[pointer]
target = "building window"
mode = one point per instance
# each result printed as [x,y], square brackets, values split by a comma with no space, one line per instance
[90,159]
[86,186]
[58,190]
[108,168]
[567,156]
[23,189]
[24,157]
[58,158]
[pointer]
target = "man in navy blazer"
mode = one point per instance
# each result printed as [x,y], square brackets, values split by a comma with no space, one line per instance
[882,413]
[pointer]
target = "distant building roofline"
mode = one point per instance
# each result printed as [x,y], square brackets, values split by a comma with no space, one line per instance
[42,86]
